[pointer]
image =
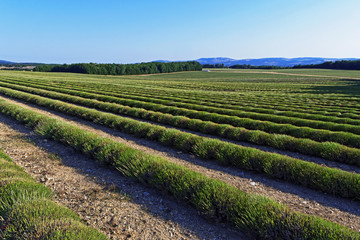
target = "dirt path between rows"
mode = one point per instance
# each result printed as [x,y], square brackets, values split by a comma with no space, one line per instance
[298,198]
[117,206]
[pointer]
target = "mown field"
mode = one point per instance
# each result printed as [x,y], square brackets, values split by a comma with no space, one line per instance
[299,127]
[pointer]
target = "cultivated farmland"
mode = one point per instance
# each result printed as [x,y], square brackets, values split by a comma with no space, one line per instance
[259,154]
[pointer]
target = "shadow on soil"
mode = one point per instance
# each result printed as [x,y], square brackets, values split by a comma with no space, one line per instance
[156,203]
[346,205]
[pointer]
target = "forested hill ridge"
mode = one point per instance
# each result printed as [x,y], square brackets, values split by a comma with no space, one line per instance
[122,69]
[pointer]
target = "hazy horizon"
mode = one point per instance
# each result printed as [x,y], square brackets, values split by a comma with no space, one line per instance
[142,31]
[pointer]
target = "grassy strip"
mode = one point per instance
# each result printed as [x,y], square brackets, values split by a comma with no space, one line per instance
[262,216]
[27,212]
[228,112]
[333,181]
[344,138]
[327,150]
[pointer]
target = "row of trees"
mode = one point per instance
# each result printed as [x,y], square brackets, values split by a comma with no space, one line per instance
[122,69]
[343,64]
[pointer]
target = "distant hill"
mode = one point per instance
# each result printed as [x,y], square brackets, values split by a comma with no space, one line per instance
[6,62]
[165,61]
[281,62]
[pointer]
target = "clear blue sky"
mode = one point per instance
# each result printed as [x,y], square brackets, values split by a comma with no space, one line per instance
[66,31]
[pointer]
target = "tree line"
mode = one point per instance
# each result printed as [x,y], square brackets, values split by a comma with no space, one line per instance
[343,64]
[122,69]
